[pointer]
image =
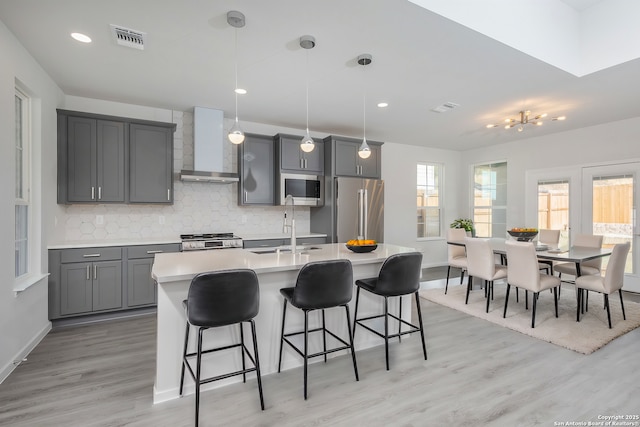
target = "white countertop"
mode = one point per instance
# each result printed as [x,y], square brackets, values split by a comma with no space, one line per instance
[268,236]
[71,244]
[180,266]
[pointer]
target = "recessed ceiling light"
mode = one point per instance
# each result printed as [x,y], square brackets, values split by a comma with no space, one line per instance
[240,91]
[81,37]
[383,104]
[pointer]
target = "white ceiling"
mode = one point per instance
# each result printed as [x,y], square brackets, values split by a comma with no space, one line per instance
[420,60]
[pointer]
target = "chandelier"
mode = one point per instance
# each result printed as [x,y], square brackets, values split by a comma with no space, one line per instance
[524,119]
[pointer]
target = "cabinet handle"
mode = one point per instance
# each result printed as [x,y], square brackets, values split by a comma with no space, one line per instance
[301,163]
[154,252]
[93,193]
[95,271]
[245,196]
[168,194]
[90,255]
[88,274]
[305,163]
[99,193]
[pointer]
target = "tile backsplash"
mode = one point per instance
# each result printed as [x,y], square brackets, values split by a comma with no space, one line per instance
[197,207]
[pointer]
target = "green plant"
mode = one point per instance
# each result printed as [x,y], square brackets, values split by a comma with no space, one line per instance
[465,223]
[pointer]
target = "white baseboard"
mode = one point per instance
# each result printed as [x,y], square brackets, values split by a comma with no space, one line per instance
[23,353]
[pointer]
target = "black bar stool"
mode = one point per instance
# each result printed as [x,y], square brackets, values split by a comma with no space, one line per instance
[399,275]
[220,299]
[320,285]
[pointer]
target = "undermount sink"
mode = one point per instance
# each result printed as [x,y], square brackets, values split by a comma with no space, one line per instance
[283,250]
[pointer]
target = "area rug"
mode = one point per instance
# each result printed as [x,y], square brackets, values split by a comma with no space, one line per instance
[586,336]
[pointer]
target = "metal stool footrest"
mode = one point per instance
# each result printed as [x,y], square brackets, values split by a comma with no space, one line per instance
[346,345]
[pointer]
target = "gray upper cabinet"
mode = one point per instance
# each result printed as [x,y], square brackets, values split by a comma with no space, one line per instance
[256,170]
[150,164]
[105,159]
[95,161]
[292,159]
[348,163]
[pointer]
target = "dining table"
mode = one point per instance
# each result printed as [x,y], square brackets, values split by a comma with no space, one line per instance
[575,254]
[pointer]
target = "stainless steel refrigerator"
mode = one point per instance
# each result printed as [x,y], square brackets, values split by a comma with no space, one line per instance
[354,208]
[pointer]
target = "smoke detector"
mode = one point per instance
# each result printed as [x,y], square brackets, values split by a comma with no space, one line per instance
[128,37]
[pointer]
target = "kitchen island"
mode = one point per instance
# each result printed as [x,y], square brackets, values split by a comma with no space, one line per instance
[275,269]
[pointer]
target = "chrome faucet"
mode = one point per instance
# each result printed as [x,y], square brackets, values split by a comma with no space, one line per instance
[292,222]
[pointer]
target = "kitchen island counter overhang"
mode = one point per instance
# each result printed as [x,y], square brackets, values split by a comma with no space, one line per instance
[173,273]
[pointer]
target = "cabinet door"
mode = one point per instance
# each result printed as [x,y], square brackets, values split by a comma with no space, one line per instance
[314,161]
[81,159]
[150,164]
[312,241]
[293,159]
[110,162]
[75,288]
[107,285]
[346,155]
[256,168]
[141,287]
[263,243]
[370,167]
[290,154]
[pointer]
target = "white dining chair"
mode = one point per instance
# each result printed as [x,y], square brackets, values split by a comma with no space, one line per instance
[481,264]
[612,281]
[523,272]
[591,267]
[456,255]
[551,238]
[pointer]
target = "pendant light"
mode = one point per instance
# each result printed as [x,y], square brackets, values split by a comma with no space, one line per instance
[306,144]
[236,20]
[364,151]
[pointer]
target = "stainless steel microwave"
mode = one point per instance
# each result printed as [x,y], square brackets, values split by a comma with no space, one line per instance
[307,190]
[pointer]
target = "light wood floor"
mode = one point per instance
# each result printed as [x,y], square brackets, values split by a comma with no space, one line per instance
[478,374]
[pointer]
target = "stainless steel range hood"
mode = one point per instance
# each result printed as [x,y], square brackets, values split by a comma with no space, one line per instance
[208,149]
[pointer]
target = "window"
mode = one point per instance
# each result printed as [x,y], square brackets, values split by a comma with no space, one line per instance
[553,208]
[429,200]
[490,200]
[22,165]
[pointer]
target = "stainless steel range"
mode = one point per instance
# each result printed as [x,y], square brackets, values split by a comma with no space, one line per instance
[205,241]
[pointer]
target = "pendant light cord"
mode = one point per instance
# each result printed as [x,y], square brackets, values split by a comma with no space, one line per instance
[364,106]
[307,73]
[235,90]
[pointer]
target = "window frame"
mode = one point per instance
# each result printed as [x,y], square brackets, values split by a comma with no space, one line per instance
[439,173]
[23,181]
[492,208]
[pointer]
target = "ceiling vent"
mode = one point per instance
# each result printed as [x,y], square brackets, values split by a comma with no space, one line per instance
[447,106]
[129,38]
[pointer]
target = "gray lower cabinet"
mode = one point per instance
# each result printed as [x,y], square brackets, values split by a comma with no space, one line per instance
[86,280]
[256,168]
[87,287]
[273,243]
[141,288]
[347,162]
[98,280]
